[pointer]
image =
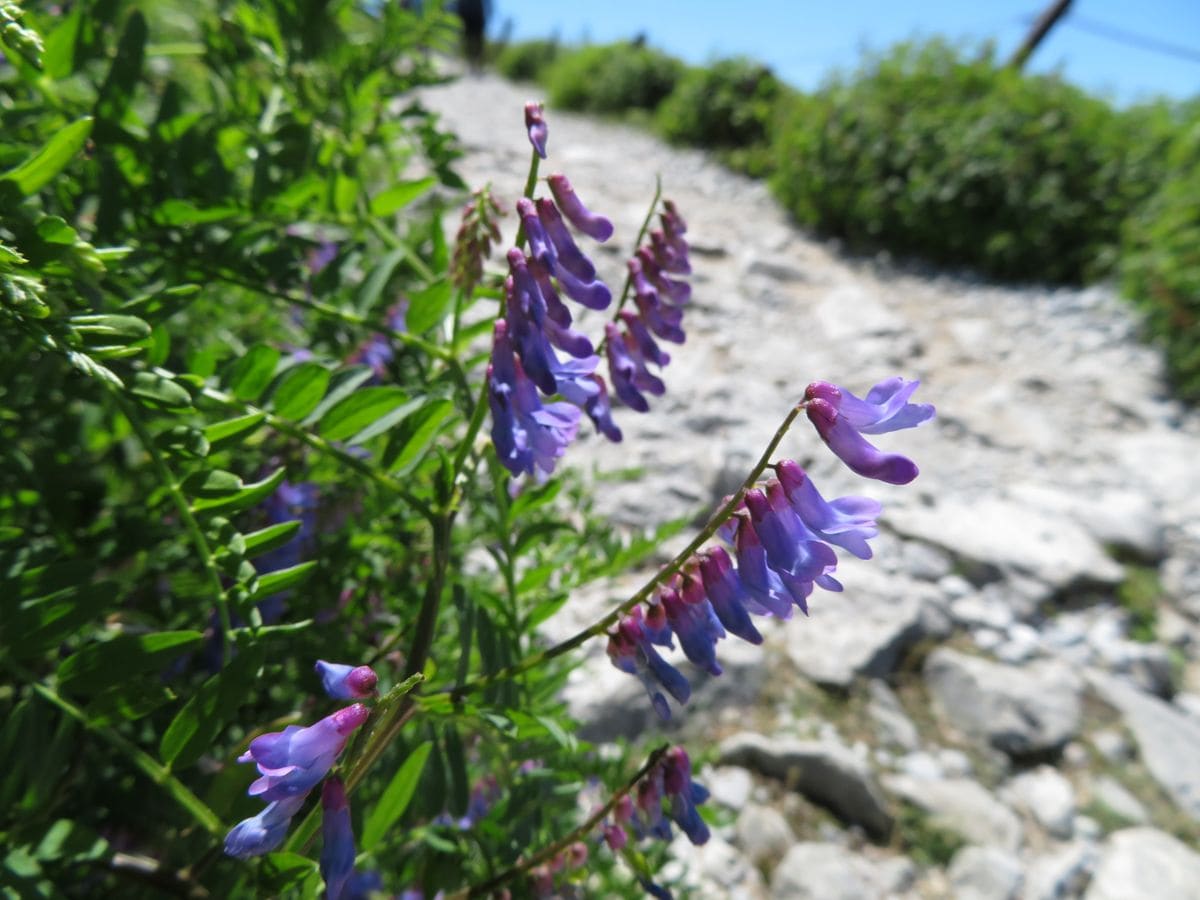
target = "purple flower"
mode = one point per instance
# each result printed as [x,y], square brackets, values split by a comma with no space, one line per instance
[885,408]
[642,340]
[695,624]
[631,651]
[622,368]
[568,254]
[292,761]
[529,437]
[848,522]
[728,596]
[762,582]
[599,410]
[264,832]
[557,324]
[790,548]
[337,834]
[343,682]
[684,795]
[592,224]
[854,450]
[535,125]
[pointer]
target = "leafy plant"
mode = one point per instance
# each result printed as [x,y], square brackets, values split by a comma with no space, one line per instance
[612,78]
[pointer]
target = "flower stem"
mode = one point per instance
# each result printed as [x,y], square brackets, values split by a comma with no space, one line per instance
[191,526]
[636,243]
[644,592]
[581,833]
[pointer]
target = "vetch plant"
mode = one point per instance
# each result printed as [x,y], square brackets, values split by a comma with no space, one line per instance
[260,413]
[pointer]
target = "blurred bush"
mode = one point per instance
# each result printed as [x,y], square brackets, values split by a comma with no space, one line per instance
[730,106]
[932,151]
[526,60]
[1160,261]
[612,78]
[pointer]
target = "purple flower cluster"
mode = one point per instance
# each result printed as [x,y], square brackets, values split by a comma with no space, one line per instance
[294,761]
[630,342]
[664,795]
[538,355]
[783,534]
[337,836]
[378,350]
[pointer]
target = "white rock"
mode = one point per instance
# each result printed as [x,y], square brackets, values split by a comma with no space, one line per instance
[1020,711]
[985,873]
[1145,864]
[815,871]
[1060,874]
[962,806]
[895,727]
[1109,792]
[729,786]
[1047,796]
[763,835]
[713,871]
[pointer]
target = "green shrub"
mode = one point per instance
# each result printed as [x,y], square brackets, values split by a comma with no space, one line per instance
[931,151]
[1160,265]
[612,78]
[527,60]
[729,106]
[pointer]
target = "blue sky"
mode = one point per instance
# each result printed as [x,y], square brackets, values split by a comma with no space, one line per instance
[803,40]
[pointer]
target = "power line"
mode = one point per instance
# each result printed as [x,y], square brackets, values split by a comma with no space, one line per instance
[1120,35]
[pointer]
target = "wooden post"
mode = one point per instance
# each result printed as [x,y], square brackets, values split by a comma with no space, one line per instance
[1041,28]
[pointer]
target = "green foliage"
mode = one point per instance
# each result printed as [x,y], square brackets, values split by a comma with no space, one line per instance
[527,60]
[930,151]
[1139,594]
[730,106]
[612,78]
[923,840]
[238,432]
[1160,262]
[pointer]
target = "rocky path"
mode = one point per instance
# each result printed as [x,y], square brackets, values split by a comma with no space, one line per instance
[980,714]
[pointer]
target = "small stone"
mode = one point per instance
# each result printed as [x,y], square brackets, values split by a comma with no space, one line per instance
[763,835]
[1048,797]
[1110,793]
[985,873]
[1113,745]
[921,765]
[822,871]
[729,786]
[1060,874]
[895,727]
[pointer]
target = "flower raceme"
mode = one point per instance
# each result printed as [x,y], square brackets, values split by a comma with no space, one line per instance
[293,761]
[344,682]
[784,534]
[538,355]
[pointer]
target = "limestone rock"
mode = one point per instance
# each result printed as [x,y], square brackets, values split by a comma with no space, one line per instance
[1048,797]
[962,806]
[825,772]
[1145,864]
[985,873]
[814,871]
[1020,710]
[763,835]
[1168,740]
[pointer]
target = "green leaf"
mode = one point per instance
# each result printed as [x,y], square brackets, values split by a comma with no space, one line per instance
[359,410]
[386,422]
[160,389]
[58,61]
[102,665]
[127,328]
[184,212]
[267,539]
[231,431]
[55,230]
[253,372]
[396,797]
[248,496]
[398,196]
[51,159]
[373,285]
[417,433]
[274,582]
[184,440]
[212,483]
[344,384]
[428,307]
[196,726]
[44,622]
[128,702]
[300,390]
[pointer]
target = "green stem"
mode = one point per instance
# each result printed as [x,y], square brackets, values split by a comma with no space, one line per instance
[581,833]
[167,477]
[644,592]
[149,766]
